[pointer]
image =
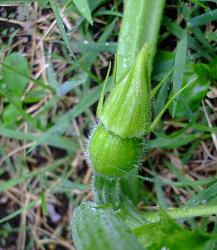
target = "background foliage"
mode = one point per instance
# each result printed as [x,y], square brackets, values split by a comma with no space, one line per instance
[52,65]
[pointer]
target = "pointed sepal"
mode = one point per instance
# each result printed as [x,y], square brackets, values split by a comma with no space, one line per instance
[127,112]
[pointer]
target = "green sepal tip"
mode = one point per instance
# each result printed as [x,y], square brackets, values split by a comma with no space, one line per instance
[126,112]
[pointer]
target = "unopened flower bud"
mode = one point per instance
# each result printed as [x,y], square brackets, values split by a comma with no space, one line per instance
[126,112]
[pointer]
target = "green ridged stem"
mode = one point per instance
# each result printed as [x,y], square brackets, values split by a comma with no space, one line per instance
[183,212]
[115,191]
[140,24]
[106,190]
[96,227]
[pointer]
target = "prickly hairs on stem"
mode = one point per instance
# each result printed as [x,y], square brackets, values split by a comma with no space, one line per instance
[116,144]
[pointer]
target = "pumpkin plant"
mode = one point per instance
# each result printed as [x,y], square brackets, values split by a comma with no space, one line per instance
[117,146]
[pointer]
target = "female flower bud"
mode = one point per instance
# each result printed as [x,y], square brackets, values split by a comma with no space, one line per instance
[112,155]
[116,144]
[126,112]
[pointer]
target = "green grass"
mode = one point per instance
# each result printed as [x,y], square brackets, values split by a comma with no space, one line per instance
[48,102]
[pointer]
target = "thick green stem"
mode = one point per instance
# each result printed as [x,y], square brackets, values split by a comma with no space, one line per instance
[140,24]
[124,116]
[182,213]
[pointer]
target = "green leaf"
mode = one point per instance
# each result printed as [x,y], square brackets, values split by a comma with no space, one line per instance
[179,67]
[90,56]
[55,141]
[204,196]
[212,36]
[34,96]
[199,35]
[71,83]
[190,99]
[87,45]
[15,101]
[60,24]
[213,69]
[10,115]
[14,80]
[64,120]
[84,9]
[163,62]
[176,30]
[14,70]
[43,3]
[173,142]
[167,234]
[161,83]
[98,227]
[165,107]
[205,18]
[162,97]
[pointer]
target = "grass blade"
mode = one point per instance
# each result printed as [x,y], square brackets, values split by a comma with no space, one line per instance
[56,141]
[84,9]
[157,119]
[205,18]
[20,211]
[49,167]
[179,67]
[155,90]
[170,143]
[60,24]
[64,121]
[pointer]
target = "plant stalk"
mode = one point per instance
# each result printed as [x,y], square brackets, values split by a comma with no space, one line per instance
[140,24]
[183,213]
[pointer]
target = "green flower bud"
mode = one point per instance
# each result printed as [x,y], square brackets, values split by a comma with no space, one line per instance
[109,153]
[127,110]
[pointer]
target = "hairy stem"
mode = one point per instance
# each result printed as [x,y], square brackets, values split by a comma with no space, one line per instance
[182,213]
[140,24]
